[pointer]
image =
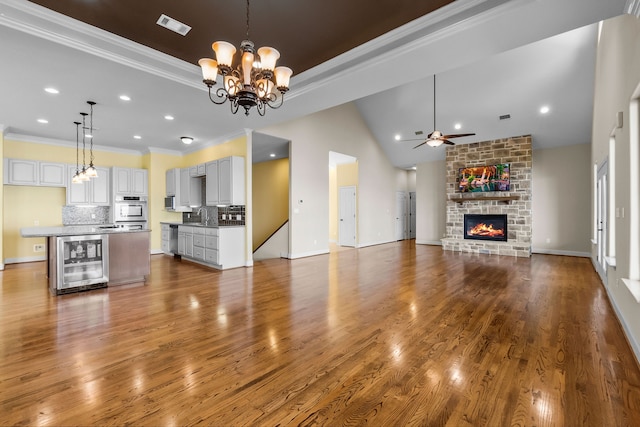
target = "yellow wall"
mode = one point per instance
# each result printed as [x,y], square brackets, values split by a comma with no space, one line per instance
[157,165]
[270,198]
[235,147]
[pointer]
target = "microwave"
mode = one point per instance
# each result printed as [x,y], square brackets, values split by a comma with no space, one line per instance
[170,203]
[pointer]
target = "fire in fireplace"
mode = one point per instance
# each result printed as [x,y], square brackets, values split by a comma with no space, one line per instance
[485,227]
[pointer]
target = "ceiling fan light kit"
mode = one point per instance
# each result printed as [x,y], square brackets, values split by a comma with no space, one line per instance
[255,82]
[436,138]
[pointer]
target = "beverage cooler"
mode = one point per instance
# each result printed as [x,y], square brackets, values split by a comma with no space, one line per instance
[83,263]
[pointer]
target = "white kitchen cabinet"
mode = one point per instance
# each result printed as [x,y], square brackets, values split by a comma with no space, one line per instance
[218,247]
[190,189]
[198,170]
[94,192]
[211,189]
[225,181]
[172,181]
[52,174]
[32,172]
[165,238]
[21,172]
[129,181]
[181,242]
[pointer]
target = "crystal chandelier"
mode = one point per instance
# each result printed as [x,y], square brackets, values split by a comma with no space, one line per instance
[255,82]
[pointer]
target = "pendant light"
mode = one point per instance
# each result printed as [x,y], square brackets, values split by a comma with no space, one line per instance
[83,172]
[91,170]
[76,178]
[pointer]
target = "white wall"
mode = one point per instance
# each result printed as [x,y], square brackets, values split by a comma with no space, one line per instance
[561,205]
[617,79]
[431,202]
[338,129]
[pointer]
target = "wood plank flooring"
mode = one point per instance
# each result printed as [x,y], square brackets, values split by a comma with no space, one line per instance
[390,335]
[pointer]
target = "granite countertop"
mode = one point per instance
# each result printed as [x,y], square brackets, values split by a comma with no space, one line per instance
[197,224]
[74,230]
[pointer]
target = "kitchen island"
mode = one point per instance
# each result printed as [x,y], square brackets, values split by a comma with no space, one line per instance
[76,252]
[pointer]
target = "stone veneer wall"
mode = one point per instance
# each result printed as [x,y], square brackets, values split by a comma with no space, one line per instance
[515,151]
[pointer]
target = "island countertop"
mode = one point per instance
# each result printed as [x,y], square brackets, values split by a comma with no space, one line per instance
[75,230]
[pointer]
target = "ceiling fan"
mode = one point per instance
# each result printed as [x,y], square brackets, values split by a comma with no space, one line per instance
[436,138]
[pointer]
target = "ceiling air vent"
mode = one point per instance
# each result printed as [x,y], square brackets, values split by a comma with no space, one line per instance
[419,132]
[173,25]
[505,117]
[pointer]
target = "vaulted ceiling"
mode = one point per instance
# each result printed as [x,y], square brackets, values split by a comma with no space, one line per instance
[491,57]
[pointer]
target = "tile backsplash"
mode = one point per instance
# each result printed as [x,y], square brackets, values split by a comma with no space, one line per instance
[85,215]
[217,215]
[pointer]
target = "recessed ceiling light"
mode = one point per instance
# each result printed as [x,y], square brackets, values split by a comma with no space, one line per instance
[43,121]
[397,137]
[125,98]
[457,126]
[272,155]
[137,137]
[168,117]
[186,139]
[544,109]
[52,90]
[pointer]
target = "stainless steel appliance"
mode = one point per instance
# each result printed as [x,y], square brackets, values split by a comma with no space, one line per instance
[130,208]
[170,203]
[130,212]
[82,262]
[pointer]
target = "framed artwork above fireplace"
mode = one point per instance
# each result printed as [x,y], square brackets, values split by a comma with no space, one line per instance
[474,179]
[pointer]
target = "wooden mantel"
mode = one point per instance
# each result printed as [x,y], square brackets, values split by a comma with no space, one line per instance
[460,199]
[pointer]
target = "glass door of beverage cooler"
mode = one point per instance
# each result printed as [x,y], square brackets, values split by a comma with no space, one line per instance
[83,261]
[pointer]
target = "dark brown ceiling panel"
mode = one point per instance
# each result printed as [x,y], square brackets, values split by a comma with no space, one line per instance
[306,33]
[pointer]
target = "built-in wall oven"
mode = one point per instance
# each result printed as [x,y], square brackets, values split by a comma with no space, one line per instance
[130,211]
[83,263]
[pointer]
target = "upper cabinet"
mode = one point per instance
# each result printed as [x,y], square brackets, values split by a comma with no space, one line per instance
[129,181]
[225,181]
[172,181]
[32,172]
[190,189]
[197,170]
[95,191]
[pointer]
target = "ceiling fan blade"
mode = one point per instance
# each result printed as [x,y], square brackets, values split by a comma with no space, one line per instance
[446,141]
[458,135]
[420,144]
[415,139]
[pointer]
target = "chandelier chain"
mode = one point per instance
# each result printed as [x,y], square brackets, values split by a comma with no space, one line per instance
[248,20]
[92,135]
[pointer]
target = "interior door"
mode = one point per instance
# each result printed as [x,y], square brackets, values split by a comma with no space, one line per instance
[401,215]
[601,220]
[347,217]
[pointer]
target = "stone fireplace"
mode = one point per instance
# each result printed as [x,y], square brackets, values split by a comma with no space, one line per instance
[513,207]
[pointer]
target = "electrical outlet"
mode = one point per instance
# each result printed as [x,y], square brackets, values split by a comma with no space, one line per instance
[36,222]
[38,248]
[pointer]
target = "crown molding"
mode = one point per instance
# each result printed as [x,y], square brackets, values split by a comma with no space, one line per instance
[41,22]
[158,150]
[632,7]
[68,144]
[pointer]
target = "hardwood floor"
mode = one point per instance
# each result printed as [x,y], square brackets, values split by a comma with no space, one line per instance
[395,334]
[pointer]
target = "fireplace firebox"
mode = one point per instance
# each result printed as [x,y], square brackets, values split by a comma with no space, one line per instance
[485,227]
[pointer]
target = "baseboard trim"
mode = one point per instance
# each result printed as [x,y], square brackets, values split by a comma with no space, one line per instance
[384,242]
[25,259]
[429,242]
[307,254]
[563,253]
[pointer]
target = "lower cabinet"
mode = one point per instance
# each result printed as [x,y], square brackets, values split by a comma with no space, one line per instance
[221,247]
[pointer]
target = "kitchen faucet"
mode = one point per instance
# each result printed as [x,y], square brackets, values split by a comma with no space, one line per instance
[202,209]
